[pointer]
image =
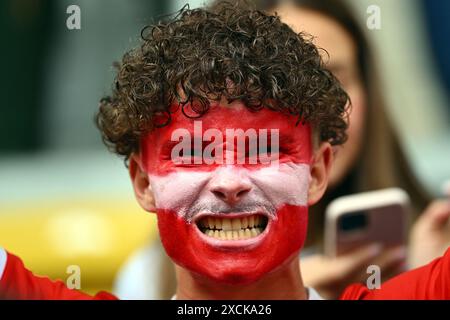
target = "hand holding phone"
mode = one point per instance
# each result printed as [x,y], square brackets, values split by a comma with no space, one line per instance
[362,219]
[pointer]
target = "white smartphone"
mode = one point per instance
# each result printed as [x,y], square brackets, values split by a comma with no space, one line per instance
[361,219]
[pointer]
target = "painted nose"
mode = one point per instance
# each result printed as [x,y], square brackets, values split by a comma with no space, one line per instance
[230,188]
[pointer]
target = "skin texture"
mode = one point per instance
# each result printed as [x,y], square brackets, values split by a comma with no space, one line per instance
[208,267]
[342,61]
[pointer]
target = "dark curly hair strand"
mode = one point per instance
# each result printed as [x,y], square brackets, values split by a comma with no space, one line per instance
[230,52]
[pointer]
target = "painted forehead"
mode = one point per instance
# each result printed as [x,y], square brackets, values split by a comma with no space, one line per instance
[238,116]
[294,139]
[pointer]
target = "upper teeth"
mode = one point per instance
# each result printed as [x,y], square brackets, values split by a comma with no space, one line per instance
[236,224]
[234,228]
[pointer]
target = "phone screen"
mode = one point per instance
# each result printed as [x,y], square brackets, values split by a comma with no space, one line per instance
[353,221]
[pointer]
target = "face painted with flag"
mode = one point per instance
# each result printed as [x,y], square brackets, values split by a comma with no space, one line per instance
[230,189]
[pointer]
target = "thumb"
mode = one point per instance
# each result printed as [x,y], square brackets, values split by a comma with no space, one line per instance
[354,261]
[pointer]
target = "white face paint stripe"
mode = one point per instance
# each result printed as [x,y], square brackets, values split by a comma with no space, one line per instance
[285,183]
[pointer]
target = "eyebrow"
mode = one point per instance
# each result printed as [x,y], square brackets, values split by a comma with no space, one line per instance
[285,138]
[168,145]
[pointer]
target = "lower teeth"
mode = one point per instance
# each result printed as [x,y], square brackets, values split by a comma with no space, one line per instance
[234,235]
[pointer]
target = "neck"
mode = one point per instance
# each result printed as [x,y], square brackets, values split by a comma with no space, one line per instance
[285,283]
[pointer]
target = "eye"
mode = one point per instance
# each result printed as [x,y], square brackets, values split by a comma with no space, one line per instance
[192,153]
[269,149]
[265,149]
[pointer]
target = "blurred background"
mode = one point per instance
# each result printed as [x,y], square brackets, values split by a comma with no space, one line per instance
[64,200]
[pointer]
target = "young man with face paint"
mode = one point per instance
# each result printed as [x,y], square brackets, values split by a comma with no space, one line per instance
[227,121]
[229,225]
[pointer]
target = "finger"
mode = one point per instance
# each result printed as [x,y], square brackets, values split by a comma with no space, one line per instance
[389,262]
[355,261]
[391,257]
[392,261]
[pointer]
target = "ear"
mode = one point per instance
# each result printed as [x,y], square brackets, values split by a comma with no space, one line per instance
[141,184]
[320,169]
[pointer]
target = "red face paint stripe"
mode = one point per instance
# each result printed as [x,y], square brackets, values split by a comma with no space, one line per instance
[184,245]
[294,144]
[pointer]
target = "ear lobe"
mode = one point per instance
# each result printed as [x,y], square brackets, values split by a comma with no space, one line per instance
[141,184]
[320,169]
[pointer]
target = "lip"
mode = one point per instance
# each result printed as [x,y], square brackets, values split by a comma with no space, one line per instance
[233,244]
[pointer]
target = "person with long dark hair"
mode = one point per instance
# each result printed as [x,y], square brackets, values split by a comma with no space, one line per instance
[373,156]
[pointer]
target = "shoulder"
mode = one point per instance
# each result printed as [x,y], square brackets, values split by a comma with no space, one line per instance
[355,291]
[17,282]
[430,282]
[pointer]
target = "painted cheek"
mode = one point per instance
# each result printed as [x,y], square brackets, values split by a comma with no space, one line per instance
[179,190]
[184,245]
[273,186]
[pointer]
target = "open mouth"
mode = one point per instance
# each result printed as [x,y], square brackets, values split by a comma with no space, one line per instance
[236,228]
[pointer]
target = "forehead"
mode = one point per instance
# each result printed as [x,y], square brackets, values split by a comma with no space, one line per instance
[236,116]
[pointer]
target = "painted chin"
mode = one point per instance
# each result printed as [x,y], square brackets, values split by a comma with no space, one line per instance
[235,259]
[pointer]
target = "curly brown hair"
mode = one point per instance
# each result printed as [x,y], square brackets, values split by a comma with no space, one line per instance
[232,52]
